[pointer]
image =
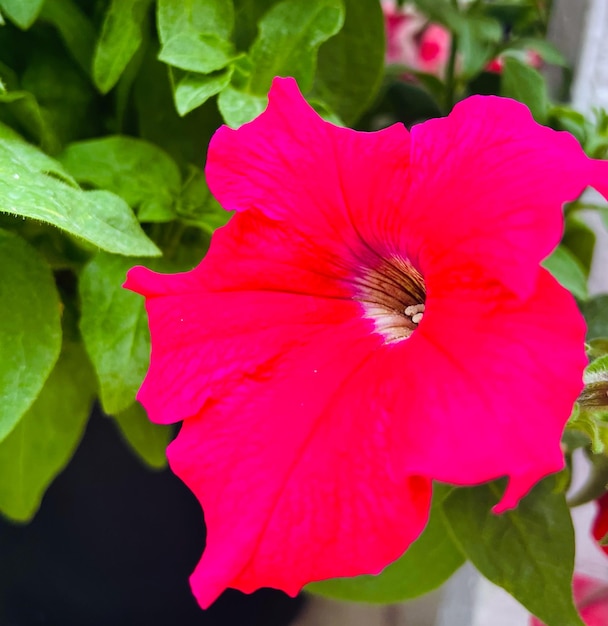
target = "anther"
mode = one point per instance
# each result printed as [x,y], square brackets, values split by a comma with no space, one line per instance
[414,309]
[417,318]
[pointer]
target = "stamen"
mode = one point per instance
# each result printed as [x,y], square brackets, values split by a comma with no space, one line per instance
[417,318]
[413,309]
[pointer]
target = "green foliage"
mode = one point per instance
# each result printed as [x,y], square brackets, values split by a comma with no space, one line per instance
[517,549]
[215,17]
[114,328]
[196,205]
[357,50]
[429,562]
[568,271]
[289,37]
[579,239]
[74,28]
[121,35]
[35,186]
[30,332]
[524,83]
[142,174]
[595,311]
[22,12]
[45,438]
[192,89]
[149,441]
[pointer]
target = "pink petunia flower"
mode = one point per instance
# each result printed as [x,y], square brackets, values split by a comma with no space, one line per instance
[412,41]
[372,318]
[591,599]
[434,50]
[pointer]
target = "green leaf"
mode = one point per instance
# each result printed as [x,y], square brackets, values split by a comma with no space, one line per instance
[597,348]
[196,205]
[29,114]
[22,12]
[120,38]
[247,15]
[197,52]
[35,186]
[191,89]
[159,122]
[597,371]
[65,97]
[30,331]
[75,29]
[357,50]
[149,441]
[524,83]
[429,562]
[568,271]
[442,12]
[517,549]
[411,104]
[547,51]
[45,439]
[579,239]
[195,16]
[142,174]
[562,117]
[477,39]
[114,329]
[595,312]
[239,107]
[26,155]
[290,34]
[582,430]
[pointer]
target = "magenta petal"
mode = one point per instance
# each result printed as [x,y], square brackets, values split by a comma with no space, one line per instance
[294,478]
[330,183]
[492,381]
[242,337]
[488,186]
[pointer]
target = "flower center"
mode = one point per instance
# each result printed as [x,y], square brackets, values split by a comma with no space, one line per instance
[392,294]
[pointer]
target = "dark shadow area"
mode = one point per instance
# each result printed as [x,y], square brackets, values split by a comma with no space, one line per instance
[114,544]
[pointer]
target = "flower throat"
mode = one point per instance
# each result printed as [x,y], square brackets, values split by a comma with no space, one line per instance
[393,296]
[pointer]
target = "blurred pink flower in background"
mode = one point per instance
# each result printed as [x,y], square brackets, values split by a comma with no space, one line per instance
[424,46]
[413,41]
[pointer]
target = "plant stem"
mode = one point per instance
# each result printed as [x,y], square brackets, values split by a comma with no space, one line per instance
[450,87]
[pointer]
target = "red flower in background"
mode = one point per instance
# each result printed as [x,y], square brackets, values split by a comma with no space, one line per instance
[600,523]
[372,318]
[530,57]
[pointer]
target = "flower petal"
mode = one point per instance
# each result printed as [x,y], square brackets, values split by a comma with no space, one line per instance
[491,381]
[294,479]
[206,343]
[488,187]
[328,182]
